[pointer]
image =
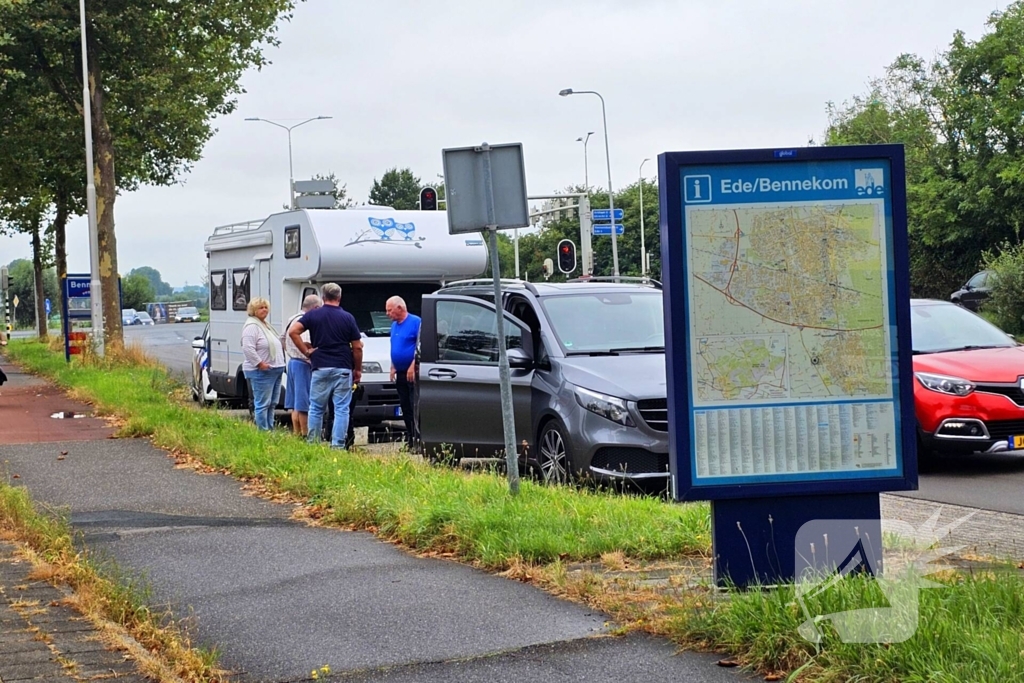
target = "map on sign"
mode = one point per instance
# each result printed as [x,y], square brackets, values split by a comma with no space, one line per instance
[788,302]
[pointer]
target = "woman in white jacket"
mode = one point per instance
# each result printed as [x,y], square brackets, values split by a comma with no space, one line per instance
[264,361]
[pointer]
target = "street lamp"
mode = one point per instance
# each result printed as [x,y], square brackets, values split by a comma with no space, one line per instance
[643,247]
[95,288]
[586,164]
[608,159]
[291,174]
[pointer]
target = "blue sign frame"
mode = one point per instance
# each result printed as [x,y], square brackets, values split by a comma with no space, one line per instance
[780,178]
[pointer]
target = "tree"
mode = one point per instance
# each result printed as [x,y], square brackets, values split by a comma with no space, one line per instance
[22,274]
[158,73]
[399,189]
[152,275]
[136,291]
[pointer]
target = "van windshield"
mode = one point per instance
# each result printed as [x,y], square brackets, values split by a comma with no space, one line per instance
[607,322]
[366,301]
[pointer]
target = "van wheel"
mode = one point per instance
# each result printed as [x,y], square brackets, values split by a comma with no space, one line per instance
[554,455]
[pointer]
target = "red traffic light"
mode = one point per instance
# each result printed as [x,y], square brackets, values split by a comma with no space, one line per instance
[566,256]
[428,199]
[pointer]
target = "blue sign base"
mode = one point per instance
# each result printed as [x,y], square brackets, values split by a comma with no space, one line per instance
[755,540]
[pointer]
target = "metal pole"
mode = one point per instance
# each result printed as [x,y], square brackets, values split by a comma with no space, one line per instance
[643,246]
[291,173]
[508,421]
[516,241]
[95,288]
[611,192]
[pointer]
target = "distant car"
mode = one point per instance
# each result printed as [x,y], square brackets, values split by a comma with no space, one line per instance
[968,382]
[129,316]
[975,291]
[187,314]
[143,318]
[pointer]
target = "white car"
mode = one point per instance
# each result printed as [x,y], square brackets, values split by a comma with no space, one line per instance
[187,314]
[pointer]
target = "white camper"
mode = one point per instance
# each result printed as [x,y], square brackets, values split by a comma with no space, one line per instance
[372,252]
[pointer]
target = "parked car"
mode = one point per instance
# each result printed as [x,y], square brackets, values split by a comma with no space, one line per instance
[187,314]
[129,316]
[975,291]
[143,318]
[588,377]
[199,383]
[968,382]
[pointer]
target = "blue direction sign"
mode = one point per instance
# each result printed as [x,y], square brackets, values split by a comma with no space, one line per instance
[606,228]
[605,215]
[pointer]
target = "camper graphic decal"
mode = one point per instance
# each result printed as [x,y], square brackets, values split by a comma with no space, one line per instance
[388,231]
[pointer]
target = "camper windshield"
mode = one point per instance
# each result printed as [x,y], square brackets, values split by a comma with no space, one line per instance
[366,301]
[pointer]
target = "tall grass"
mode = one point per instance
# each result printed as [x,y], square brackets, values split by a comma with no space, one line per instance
[436,509]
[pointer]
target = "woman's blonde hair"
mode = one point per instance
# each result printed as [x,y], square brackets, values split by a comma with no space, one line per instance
[254,303]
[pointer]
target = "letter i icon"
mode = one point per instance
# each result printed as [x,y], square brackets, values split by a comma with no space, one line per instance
[696,189]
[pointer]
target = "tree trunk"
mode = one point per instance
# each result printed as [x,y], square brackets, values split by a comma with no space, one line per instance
[106,191]
[37,268]
[60,223]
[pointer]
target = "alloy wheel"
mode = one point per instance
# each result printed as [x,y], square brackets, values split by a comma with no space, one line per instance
[554,460]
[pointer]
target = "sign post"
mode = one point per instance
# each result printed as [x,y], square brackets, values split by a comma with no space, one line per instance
[486,190]
[787,314]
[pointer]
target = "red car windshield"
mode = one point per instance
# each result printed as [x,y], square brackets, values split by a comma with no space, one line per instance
[938,327]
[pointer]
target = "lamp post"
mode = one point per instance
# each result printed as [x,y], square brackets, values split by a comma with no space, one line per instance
[643,246]
[95,289]
[608,159]
[586,164]
[291,173]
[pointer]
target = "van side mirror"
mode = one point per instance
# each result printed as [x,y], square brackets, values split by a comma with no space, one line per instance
[518,359]
[198,343]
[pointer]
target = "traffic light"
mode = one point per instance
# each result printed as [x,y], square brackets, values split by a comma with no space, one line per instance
[428,199]
[566,256]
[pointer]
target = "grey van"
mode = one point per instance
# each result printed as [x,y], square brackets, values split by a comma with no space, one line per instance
[588,376]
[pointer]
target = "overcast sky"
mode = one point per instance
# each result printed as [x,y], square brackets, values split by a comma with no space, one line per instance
[404,79]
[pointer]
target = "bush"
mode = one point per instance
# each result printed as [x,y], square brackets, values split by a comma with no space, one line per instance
[1005,306]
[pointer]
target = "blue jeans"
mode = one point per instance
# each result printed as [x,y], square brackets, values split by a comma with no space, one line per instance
[266,389]
[328,381]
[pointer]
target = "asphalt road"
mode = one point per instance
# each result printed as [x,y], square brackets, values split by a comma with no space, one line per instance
[171,344]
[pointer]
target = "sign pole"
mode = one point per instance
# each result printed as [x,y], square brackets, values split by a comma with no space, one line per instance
[65,322]
[90,199]
[508,421]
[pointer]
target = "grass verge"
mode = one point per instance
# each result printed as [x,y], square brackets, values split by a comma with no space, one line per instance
[102,597]
[969,629]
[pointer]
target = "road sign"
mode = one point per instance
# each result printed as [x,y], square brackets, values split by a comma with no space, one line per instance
[78,286]
[304,186]
[605,214]
[485,185]
[315,201]
[16,301]
[606,228]
[49,307]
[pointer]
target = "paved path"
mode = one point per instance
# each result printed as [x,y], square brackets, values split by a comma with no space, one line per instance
[279,598]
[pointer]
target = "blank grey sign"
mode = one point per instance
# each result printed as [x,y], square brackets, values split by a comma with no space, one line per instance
[466,189]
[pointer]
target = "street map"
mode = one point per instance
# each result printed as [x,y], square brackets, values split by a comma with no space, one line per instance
[788,302]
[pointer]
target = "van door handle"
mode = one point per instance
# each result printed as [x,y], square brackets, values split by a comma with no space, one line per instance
[442,373]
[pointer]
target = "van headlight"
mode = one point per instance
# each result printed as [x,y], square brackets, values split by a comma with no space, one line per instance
[370,367]
[608,407]
[954,386]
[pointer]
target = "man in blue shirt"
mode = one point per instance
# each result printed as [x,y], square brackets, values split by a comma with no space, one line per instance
[405,331]
[335,352]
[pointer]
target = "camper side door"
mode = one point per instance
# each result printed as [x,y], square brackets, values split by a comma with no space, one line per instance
[459,403]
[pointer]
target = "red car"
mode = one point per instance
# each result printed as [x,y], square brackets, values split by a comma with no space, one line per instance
[968,382]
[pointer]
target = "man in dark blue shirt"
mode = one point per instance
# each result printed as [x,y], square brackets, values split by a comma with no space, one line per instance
[335,352]
[405,331]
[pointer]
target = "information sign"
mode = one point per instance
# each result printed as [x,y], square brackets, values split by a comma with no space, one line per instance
[606,214]
[787,322]
[606,228]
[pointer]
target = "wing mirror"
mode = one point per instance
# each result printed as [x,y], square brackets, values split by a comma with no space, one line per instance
[518,359]
[198,343]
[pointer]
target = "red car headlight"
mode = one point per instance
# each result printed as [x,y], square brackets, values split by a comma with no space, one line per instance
[954,386]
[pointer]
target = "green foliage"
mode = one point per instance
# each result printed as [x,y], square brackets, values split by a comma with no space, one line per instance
[136,291]
[22,277]
[1005,306]
[960,119]
[399,189]
[156,282]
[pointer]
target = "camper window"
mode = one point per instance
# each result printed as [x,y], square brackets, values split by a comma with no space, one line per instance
[218,290]
[240,292]
[292,244]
